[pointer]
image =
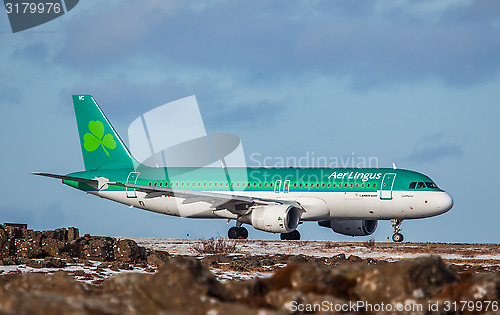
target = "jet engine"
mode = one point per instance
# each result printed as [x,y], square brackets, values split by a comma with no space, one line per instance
[351,227]
[274,218]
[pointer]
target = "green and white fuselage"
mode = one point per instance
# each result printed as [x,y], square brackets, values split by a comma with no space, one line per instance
[349,200]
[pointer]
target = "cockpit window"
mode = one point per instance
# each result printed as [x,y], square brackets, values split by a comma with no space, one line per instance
[431,185]
[412,185]
[420,185]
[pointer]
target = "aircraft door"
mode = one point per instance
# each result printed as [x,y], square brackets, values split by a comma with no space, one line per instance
[286,186]
[386,188]
[277,186]
[132,179]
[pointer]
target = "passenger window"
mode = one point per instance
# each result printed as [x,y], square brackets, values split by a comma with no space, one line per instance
[357,185]
[295,185]
[329,185]
[420,185]
[374,185]
[412,185]
[323,185]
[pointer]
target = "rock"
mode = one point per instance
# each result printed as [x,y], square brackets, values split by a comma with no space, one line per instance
[13,232]
[186,286]
[61,234]
[186,282]
[118,265]
[473,287]
[285,300]
[96,248]
[53,247]
[158,258]
[337,258]
[73,234]
[354,258]
[28,248]
[298,259]
[417,278]
[128,251]
[35,293]
[48,262]
[6,243]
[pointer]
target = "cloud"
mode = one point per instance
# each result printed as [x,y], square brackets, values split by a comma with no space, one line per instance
[247,115]
[124,99]
[435,152]
[371,44]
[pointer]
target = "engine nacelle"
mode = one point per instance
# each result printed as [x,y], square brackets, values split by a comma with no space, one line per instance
[351,227]
[275,218]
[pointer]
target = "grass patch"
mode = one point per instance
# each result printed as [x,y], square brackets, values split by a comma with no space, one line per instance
[215,246]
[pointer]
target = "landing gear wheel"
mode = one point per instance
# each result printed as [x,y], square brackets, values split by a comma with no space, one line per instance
[396,224]
[243,233]
[233,233]
[292,236]
[237,233]
[397,237]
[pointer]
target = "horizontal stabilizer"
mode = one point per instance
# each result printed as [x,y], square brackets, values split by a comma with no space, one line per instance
[63,177]
[98,182]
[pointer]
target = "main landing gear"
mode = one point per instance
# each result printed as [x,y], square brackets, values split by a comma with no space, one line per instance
[396,224]
[237,233]
[292,236]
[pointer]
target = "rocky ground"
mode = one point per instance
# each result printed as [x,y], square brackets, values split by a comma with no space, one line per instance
[59,272]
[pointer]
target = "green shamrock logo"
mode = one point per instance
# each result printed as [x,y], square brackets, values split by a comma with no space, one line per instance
[97,138]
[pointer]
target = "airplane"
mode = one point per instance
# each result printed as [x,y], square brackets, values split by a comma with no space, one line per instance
[350,201]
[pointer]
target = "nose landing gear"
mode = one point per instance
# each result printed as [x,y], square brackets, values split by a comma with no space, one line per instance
[396,224]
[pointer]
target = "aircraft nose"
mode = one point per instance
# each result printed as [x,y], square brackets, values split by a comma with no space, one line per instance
[444,202]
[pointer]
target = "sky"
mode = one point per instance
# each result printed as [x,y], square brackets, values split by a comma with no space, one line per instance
[411,83]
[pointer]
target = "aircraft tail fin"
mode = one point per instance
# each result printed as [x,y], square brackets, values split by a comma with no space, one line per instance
[102,147]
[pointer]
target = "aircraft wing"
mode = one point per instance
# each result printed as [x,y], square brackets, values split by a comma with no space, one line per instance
[234,203]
